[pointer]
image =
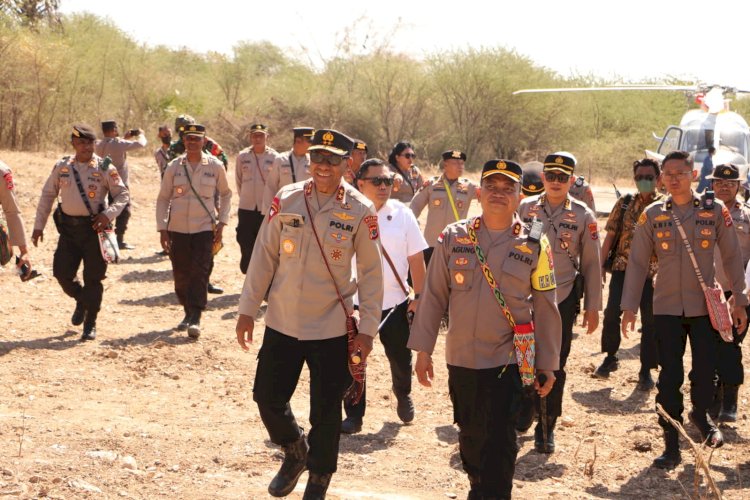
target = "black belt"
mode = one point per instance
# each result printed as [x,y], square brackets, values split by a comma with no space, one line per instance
[75,220]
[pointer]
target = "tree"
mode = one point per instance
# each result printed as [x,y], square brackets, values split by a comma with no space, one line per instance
[32,13]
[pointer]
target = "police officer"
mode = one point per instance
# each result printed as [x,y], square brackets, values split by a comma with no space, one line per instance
[83,184]
[253,167]
[532,179]
[210,146]
[161,154]
[409,178]
[725,181]
[679,304]
[446,196]
[580,189]
[574,238]
[187,222]
[620,229]
[290,166]
[483,374]
[305,322]
[117,149]
[16,233]
[359,154]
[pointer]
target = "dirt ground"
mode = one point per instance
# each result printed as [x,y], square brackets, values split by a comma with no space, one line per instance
[144,412]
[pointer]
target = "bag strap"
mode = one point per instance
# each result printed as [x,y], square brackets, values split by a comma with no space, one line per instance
[625,204]
[320,246]
[395,273]
[291,164]
[565,246]
[450,198]
[689,250]
[257,165]
[104,166]
[190,181]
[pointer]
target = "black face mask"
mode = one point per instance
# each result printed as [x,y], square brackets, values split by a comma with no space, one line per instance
[166,139]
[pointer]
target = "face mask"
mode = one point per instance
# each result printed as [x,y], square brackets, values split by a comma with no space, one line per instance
[166,139]
[646,186]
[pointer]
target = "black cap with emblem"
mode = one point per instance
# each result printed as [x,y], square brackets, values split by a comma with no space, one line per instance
[360,145]
[508,168]
[726,172]
[303,132]
[83,131]
[333,141]
[560,162]
[532,178]
[194,129]
[258,128]
[454,154]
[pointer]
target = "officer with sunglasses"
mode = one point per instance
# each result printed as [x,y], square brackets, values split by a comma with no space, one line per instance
[446,196]
[574,237]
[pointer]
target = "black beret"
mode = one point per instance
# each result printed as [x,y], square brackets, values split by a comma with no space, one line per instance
[83,131]
[508,168]
[333,141]
[194,130]
[454,154]
[303,131]
[726,172]
[258,127]
[563,162]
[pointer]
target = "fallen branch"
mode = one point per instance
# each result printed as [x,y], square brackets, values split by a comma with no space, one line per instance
[699,460]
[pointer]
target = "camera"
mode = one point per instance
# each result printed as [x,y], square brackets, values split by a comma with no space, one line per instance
[23,272]
[134,132]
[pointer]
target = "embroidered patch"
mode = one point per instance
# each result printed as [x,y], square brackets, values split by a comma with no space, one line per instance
[180,190]
[436,203]
[92,194]
[461,261]
[343,216]
[9,181]
[664,245]
[288,246]
[463,240]
[516,229]
[346,206]
[459,277]
[704,243]
[706,232]
[336,254]
[459,204]
[95,174]
[339,237]
[564,245]
[727,217]
[65,170]
[523,248]
[372,225]
[662,217]
[93,187]
[274,208]
[594,231]
[705,215]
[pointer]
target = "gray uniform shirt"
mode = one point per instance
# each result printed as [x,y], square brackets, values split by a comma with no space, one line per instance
[479,336]
[251,172]
[581,191]
[741,219]
[574,238]
[281,175]
[96,183]
[177,207]
[302,300]
[117,149]
[11,210]
[413,180]
[440,213]
[677,291]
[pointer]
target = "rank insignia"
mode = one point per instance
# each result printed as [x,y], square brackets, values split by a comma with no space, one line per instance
[463,240]
[436,203]
[705,215]
[288,246]
[516,229]
[340,194]
[523,248]
[343,216]
[336,254]
[459,278]
[664,245]
[461,261]
[661,218]
[96,174]
[704,243]
[339,237]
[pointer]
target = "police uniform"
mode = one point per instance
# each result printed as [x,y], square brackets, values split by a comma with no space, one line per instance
[78,239]
[12,212]
[305,321]
[484,381]
[581,191]
[443,199]
[161,155]
[412,181]
[574,237]
[250,174]
[287,169]
[679,304]
[191,228]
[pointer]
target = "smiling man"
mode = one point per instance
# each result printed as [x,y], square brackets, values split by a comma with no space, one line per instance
[303,259]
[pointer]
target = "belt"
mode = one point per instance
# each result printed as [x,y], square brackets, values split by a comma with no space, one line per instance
[75,220]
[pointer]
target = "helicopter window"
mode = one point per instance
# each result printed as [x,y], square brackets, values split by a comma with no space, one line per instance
[670,141]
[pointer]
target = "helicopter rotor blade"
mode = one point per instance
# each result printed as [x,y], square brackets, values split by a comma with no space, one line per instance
[683,88]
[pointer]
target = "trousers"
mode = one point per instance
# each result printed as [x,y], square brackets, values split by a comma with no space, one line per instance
[248,226]
[191,264]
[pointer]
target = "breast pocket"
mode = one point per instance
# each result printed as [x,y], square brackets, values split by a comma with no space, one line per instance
[290,239]
[705,238]
[180,187]
[338,246]
[461,268]
[207,187]
[665,240]
[439,201]
[516,275]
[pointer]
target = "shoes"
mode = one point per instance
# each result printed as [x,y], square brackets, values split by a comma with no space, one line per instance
[79,314]
[671,456]
[715,407]
[527,413]
[317,485]
[609,365]
[163,253]
[351,425]
[183,325]
[194,328]
[294,464]
[709,432]
[728,411]
[540,445]
[645,381]
[125,246]
[89,331]
[214,289]
[405,409]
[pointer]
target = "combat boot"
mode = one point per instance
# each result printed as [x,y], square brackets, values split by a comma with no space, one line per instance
[79,314]
[194,328]
[728,411]
[527,413]
[610,364]
[183,325]
[89,327]
[715,408]
[710,434]
[317,485]
[405,408]
[540,445]
[475,493]
[671,456]
[295,463]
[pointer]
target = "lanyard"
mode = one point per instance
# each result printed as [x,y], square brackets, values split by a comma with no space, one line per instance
[257,165]
[450,198]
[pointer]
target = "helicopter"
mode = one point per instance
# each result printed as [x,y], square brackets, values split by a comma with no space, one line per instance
[711,128]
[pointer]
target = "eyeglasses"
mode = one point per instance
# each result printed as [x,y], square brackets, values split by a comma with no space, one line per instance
[553,177]
[644,177]
[676,175]
[409,155]
[334,160]
[725,183]
[377,181]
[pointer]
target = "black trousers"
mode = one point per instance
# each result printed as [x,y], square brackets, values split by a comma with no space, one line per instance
[280,361]
[394,335]
[248,225]
[191,264]
[121,222]
[672,333]
[486,408]
[612,315]
[79,243]
[729,369]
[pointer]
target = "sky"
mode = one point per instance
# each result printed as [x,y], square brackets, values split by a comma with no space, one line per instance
[631,40]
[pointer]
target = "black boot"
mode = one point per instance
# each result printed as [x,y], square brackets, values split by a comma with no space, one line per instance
[79,314]
[715,408]
[317,485]
[121,243]
[194,328]
[609,365]
[183,325]
[405,408]
[728,411]
[645,381]
[527,413]
[710,434]
[671,456]
[89,327]
[295,463]
[475,493]
[540,445]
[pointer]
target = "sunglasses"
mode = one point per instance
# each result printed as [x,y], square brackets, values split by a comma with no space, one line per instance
[553,177]
[644,177]
[377,181]
[409,155]
[317,157]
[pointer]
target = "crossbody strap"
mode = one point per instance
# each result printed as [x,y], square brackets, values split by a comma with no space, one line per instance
[563,243]
[257,165]
[190,181]
[689,251]
[395,273]
[291,164]
[104,166]
[450,197]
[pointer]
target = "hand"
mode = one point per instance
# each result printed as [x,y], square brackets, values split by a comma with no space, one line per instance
[397,181]
[739,318]
[543,390]
[628,323]
[590,320]
[23,259]
[412,307]
[244,329]
[218,232]
[423,369]
[100,222]
[166,242]
[37,236]
[363,345]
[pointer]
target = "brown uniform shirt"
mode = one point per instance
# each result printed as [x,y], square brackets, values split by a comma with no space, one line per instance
[177,207]
[412,182]
[626,229]
[434,196]
[574,237]
[302,300]
[11,210]
[741,218]
[581,191]
[281,175]
[250,173]
[97,183]
[479,336]
[117,149]
[161,155]
[677,291]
